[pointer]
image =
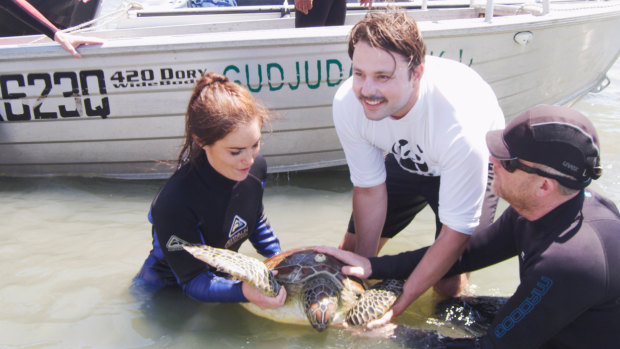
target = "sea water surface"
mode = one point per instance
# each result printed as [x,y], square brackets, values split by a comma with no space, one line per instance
[69,248]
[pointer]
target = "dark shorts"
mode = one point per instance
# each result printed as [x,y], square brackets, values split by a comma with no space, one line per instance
[323,13]
[409,193]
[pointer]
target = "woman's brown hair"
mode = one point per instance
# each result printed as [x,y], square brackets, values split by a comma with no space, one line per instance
[216,108]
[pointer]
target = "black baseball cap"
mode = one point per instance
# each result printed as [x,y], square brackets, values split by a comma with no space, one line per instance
[559,137]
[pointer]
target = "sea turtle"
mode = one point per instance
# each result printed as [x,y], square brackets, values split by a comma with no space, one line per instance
[317,291]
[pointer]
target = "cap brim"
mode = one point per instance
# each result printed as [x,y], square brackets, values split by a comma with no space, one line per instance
[496,145]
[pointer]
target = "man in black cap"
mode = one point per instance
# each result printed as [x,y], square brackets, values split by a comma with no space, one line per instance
[567,239]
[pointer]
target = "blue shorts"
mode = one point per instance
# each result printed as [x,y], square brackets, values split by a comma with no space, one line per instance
[212,3]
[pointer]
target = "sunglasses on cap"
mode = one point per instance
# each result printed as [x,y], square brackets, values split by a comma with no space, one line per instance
[514,164]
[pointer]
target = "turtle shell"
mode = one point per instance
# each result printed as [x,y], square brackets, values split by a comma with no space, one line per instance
[298,265]
[313,278]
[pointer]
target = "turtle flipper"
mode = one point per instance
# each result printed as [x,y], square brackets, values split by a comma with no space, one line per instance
[375,302]
[241,267]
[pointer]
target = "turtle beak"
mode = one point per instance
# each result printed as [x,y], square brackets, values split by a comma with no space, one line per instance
[320,298]
[320,314]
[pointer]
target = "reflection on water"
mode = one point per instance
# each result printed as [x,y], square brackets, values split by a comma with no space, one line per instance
[70,247]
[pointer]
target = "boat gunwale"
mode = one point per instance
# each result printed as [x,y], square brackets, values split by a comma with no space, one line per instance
[295,36]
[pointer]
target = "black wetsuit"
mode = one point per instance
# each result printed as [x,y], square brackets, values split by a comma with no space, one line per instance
[569,263]
[34,20]
[322,13]
[197,205]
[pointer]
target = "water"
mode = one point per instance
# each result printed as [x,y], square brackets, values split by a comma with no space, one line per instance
[70,247]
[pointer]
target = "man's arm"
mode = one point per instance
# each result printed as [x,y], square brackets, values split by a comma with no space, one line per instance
[437,260]
[369,211]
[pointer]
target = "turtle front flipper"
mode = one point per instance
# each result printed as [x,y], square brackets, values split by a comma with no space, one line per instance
[320,301]
[375,302]
[241,267]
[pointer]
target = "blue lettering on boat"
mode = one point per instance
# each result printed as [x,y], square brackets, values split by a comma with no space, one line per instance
[460,59]
[275,75]
[74,94]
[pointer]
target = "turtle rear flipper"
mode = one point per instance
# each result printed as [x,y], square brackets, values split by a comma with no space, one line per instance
[241,267]
[375,302]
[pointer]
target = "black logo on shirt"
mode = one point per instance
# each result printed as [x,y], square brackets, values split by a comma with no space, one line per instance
[409,158]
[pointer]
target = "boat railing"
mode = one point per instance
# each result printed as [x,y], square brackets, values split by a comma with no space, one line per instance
[134,16]
[286,8]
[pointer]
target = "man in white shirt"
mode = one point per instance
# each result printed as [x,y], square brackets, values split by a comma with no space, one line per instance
[430,116]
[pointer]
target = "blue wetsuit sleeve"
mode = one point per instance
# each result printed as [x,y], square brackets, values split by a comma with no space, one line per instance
[208,287]
[264,239]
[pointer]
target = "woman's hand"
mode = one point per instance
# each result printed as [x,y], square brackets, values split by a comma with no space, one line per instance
[260,299]
[356,265]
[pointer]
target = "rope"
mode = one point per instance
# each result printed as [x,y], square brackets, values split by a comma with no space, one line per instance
[102,21]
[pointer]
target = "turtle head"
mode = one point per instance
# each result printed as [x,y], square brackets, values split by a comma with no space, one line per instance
[320,301]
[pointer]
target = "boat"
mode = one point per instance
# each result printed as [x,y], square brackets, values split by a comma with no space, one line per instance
[118,112]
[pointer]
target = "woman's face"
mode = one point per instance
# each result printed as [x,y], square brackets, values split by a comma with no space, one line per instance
[233,155]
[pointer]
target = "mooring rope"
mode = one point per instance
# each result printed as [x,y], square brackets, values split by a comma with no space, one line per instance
[102,21]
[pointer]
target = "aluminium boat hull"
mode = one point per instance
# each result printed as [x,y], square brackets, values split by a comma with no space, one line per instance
[119,110]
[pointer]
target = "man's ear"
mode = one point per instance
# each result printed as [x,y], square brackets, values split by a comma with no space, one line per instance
[546,187]
[416,75]
[418,71]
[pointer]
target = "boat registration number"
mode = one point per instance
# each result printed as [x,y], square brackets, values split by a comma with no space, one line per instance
[84,93]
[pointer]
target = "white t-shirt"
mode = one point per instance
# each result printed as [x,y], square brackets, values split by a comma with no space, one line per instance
[442,135]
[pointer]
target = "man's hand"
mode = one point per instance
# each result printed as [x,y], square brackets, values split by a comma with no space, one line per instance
[356,265]
[303,6]
[367,3]
[382,321]
[71,42]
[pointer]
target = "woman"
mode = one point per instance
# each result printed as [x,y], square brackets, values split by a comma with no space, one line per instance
[214,197]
